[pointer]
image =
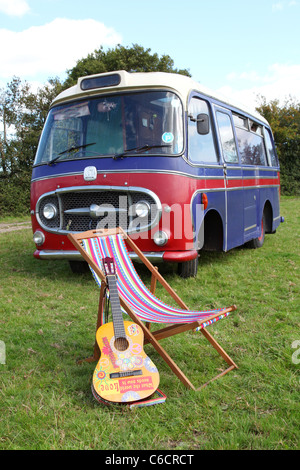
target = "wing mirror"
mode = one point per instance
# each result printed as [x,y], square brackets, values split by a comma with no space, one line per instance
[202,121]
[203,124]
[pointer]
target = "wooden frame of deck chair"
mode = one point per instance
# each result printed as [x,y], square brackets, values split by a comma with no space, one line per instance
[95,245]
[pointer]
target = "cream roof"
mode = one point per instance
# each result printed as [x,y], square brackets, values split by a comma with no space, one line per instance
[182,84]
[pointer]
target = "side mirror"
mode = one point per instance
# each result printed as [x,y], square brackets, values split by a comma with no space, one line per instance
[203,124]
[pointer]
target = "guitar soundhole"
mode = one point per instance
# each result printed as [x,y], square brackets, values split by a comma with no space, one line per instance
[121,344]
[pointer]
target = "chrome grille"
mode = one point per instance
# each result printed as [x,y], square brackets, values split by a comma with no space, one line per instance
[115,204]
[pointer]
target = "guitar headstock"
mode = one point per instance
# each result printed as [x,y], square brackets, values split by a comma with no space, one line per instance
[109,266]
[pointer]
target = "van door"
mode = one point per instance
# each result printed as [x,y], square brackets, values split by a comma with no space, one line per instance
[251,202]
[234,222]
[253,157]
[203,156]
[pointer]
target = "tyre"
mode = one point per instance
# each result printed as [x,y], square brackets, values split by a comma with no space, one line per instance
[188,268]
[78,267]
[259,241]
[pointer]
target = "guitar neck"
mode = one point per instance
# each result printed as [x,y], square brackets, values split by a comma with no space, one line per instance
[116,311]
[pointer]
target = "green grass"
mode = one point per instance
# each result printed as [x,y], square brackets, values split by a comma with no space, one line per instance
[10,219]
[47,321]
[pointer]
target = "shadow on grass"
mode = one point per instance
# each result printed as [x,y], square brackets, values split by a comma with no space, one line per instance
[17,257]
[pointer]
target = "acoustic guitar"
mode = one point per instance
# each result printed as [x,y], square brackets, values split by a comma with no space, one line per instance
[124,372]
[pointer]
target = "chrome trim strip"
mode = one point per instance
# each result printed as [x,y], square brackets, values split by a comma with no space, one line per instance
[250,227]
[88,211]
[168,172]
[154,257]
[259,186]
[60,175]
[252,177]
[79,211]
[163,172]
[236,188]
[75,255]
[59,254]
[260,168]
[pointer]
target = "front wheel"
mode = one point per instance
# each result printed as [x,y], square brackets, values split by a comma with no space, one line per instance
[259,241]
[188,268]
[78,267]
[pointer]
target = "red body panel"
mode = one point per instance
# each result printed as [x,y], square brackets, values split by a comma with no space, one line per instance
[164,186]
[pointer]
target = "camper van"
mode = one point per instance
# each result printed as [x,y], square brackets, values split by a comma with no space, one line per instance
[178,168]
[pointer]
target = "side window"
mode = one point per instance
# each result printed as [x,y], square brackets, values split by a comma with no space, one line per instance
[201,147]
[250,141]
[227,138]
[270,148]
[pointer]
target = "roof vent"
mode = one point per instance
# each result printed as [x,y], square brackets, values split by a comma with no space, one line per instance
[100,81]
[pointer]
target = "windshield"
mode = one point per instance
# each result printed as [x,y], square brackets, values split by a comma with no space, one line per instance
[119,126]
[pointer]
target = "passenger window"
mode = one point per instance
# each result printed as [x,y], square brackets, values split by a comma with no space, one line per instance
[227,138]
[251,145]
[254,127]
[270,148]
[201,147]
[240,121]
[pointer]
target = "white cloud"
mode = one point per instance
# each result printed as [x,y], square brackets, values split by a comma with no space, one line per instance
[277,6]
[14,7]
[280,82]
[50,49]
[251,76]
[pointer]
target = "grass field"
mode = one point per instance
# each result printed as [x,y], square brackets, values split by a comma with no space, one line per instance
[47,321]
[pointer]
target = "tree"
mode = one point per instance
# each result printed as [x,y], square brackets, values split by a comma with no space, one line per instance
[285,124]
[23,113]
[131,59]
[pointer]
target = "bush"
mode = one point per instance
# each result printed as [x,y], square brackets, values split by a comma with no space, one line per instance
[285,123]
[15,194]
[290,167]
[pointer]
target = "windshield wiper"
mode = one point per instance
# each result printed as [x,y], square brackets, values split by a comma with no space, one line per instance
[70,149]
[144,148]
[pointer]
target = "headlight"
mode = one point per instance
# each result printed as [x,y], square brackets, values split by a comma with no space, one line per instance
[38,238]
[160,238]
[49,211]
[142,209]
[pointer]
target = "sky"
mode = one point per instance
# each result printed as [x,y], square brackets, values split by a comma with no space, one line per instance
[238,48]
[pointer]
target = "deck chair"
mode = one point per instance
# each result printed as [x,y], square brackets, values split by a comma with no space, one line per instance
[140,303]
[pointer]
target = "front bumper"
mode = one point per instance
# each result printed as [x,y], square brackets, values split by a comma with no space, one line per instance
[153,257]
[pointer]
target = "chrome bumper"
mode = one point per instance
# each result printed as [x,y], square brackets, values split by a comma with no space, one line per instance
[153,257]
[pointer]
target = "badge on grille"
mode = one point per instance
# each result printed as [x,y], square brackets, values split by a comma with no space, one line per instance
[90,173]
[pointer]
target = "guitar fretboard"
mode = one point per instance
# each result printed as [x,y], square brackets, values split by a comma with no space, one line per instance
[115,307]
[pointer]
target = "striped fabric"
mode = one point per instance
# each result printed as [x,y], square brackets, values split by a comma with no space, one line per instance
[131,288]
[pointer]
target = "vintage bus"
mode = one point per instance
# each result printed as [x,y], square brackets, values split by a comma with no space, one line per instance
[180,169]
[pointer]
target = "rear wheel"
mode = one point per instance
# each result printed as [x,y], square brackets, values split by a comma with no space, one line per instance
[259,241]
[188,268]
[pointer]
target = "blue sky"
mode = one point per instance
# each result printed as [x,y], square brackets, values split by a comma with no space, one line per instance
[235,47]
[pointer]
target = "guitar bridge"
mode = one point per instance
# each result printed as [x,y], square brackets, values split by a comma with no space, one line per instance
[117,375]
